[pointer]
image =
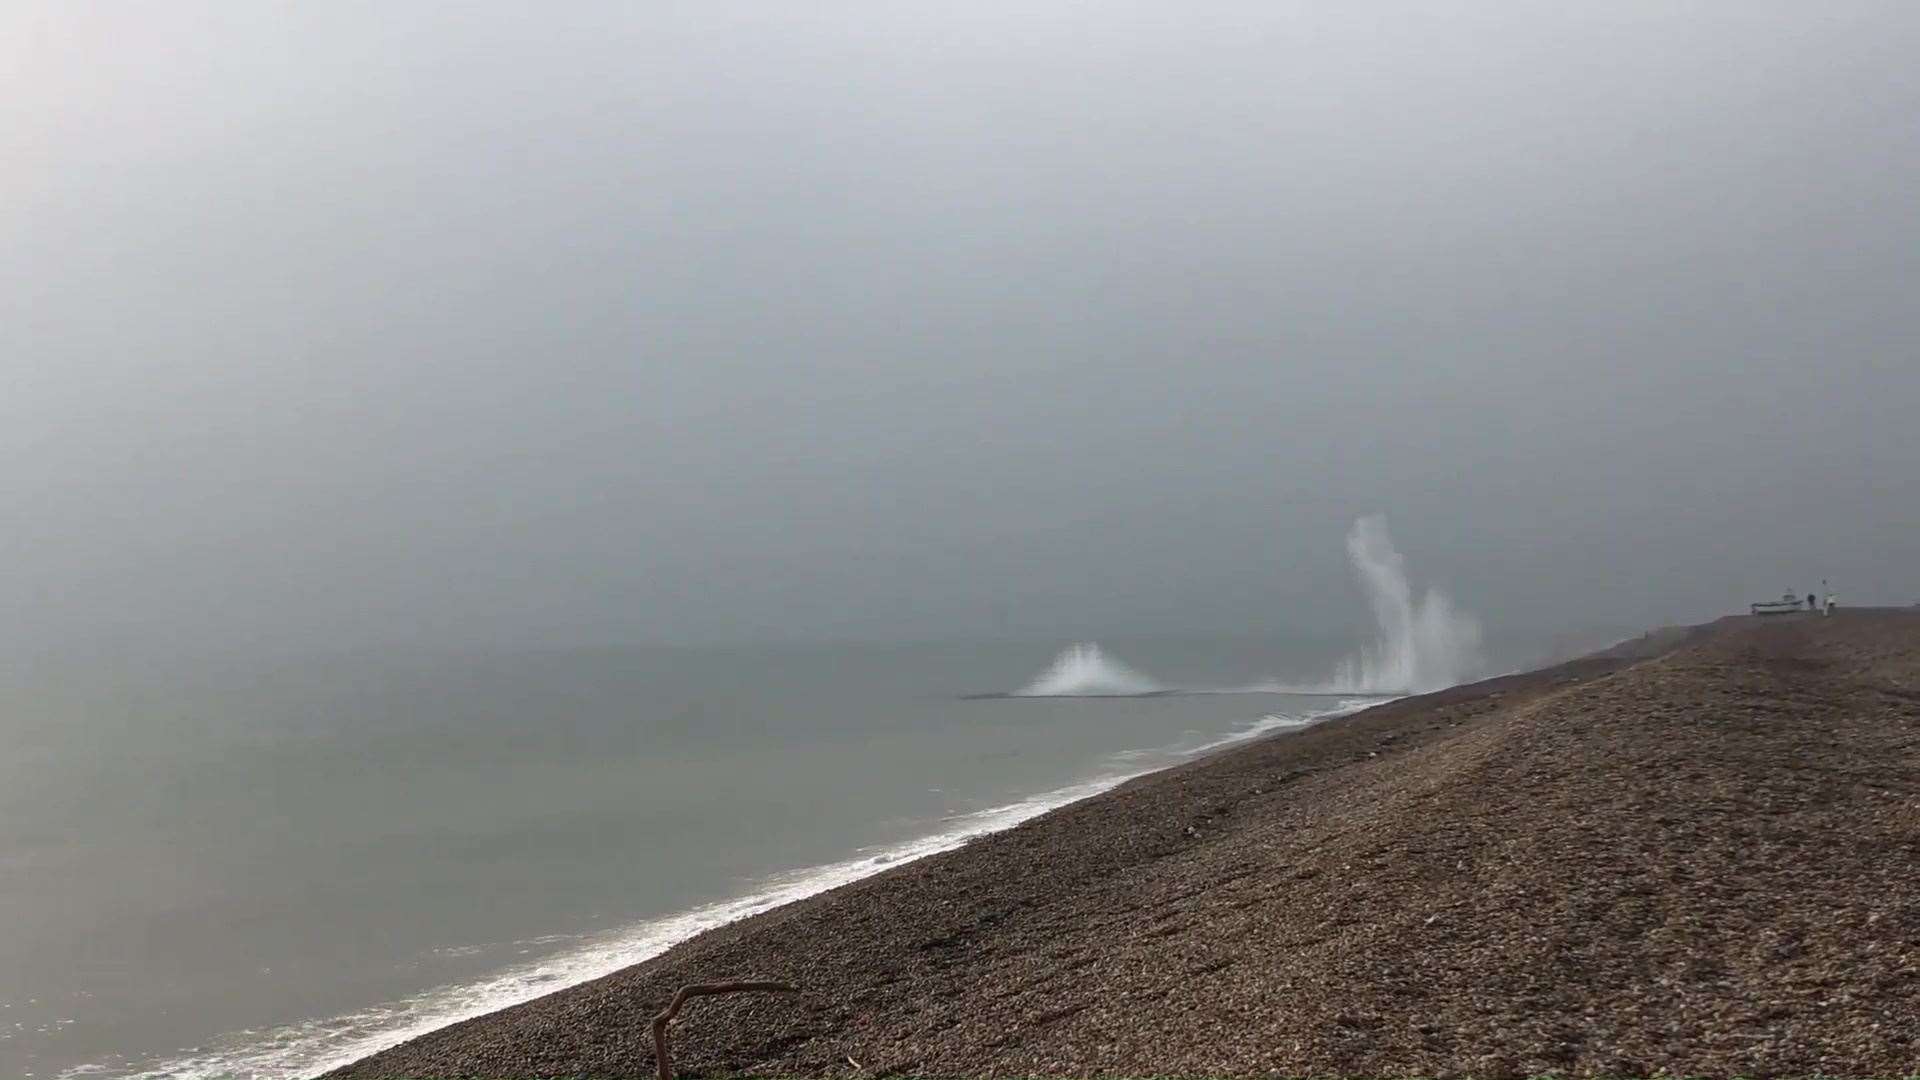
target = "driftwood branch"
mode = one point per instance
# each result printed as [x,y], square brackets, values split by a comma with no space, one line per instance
[661,1054]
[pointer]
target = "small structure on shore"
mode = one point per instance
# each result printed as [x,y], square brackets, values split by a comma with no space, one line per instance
[1788,603]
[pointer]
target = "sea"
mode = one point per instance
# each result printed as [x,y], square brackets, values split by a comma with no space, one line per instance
[267,867]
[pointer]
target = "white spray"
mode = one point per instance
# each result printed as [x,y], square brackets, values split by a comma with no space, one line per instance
[1084,671]
[1424,644]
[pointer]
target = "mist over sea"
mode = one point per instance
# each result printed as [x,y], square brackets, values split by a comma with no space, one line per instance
[495,490]
[260,870]
[252,868]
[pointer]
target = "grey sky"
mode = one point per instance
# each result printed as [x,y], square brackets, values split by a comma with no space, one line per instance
[475,323]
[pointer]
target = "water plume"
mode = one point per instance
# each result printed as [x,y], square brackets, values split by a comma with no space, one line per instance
[1084,671]
[1423,643]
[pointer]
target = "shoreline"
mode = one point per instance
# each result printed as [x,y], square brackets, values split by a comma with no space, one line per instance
[793,889]
[331,1042]
[1611,866]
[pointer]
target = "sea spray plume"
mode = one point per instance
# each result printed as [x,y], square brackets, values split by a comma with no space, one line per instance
[1424,644]
[1084,671]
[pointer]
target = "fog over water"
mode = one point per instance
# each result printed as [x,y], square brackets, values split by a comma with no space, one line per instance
[492,489]
[480,325]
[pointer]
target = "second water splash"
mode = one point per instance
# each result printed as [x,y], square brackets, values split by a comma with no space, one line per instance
[1423,642]
[1083,670]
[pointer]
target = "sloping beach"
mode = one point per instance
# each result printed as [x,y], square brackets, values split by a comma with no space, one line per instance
[1696,854]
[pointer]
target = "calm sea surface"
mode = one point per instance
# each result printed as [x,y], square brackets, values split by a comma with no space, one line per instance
[264,869]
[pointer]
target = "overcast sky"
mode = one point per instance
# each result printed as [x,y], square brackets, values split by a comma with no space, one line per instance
[480,323]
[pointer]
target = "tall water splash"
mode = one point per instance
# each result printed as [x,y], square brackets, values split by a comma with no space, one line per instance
[1424,643]
[1084,671]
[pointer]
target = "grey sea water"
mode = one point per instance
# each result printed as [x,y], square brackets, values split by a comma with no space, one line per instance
[265,868]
